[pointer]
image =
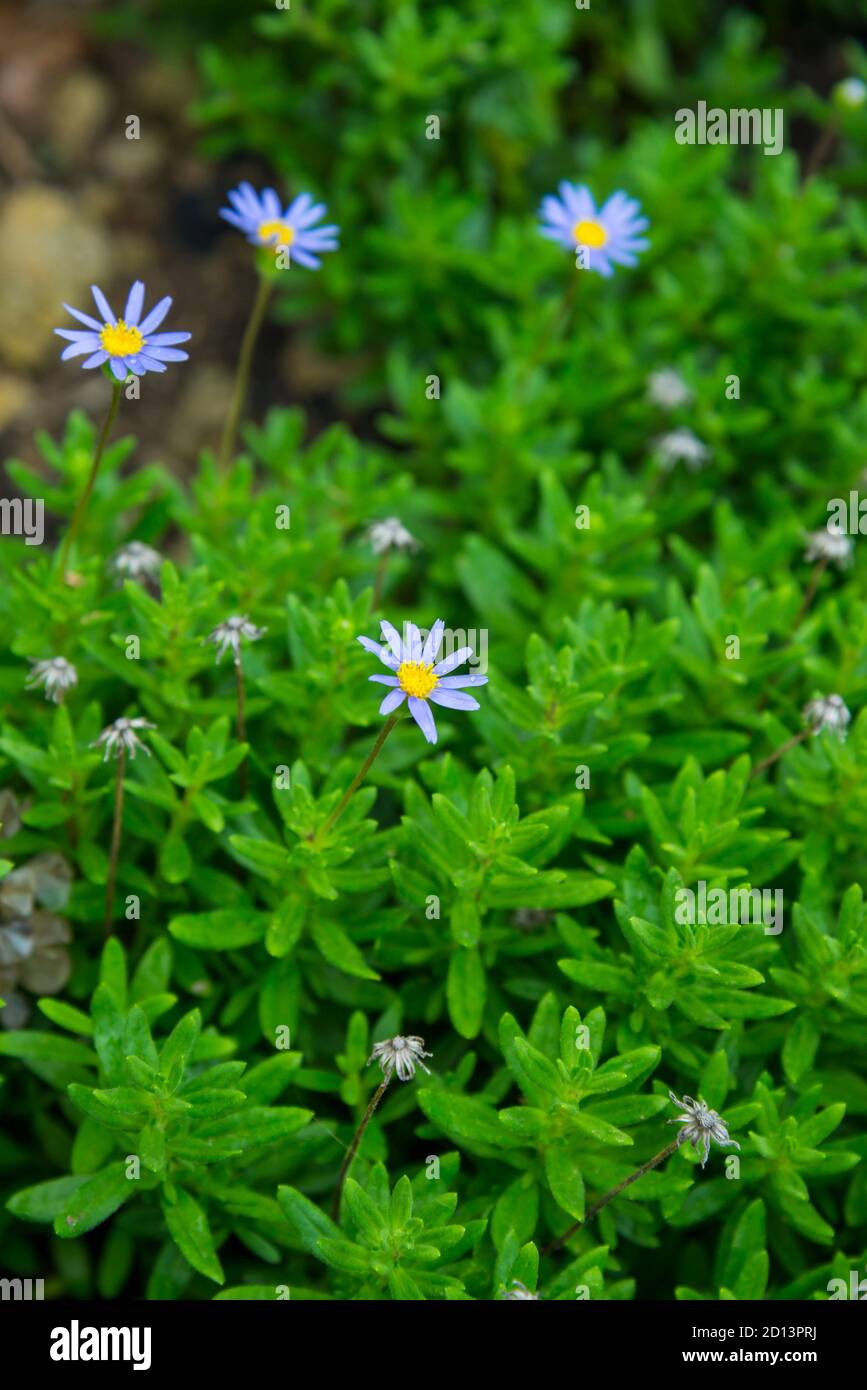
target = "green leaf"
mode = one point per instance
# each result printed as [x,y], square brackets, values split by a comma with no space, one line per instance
[565,1180]
[343,1255]
[402,1286]
[338,950]
[365,1216]
[800,1048]
[465,991]
[189,1229]
[175,860]
[95,1200]
[177,1049]
[464,1118]
[66,1016]
[753,1278]
[285,926]
[308,1221]
[46,1047]
[225,929]
[45,1200]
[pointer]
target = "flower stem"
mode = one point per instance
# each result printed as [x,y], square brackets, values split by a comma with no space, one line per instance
[562,322]
[242,376]
[615,1192]
[358,778]
[241,725]
[379,579]
[818,570]
[81,505]
[353,1147]
[115,839]
[821,150]
[783,748]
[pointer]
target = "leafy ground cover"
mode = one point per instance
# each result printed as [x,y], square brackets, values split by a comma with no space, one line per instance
[614,492]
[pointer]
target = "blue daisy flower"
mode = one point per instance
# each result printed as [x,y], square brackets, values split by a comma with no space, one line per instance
[129,344]
[415,677]
[262,217]
[609,235]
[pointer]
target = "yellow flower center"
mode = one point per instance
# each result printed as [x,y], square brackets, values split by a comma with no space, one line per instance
[590,234]
[416,679]
[279,233]
[119,340]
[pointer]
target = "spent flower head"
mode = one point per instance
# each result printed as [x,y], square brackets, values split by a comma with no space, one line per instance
[122,736]
[827,712]
[264,220]
[519,1293]
[390,534]
[416,679]
[701,1125]
[400,1054]
[227,636]
[128,344]
[830,544]
[850,94]
[136,560]
[56,674]
[608,237]
[667,388]
[681,446]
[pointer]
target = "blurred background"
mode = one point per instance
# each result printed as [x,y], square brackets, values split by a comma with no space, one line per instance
[333,95]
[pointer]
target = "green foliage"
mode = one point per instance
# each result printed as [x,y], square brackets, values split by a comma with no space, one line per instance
[177,1111]
[186,1131]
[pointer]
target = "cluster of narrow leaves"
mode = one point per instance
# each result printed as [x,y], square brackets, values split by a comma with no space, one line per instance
[173,1119]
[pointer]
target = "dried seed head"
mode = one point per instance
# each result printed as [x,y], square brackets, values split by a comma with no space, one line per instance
[390,534]
[681,446]
[519,1292]
[400,1054]
[700,1125]
[122,735]
[830,544]
[227,636]
[827,712]
[56,675]
[667,388]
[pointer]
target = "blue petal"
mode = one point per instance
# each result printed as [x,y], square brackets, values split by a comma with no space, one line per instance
[450,662]
[167,339]
[385,656]
[453,699]
[78,335]
[155,317]
[434,642]
[458,682]
[102,304]
[84,318]
[423,716]
[393,638]
[76,350]
[304,258]
[392,700]
[132,312]
[163,354]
